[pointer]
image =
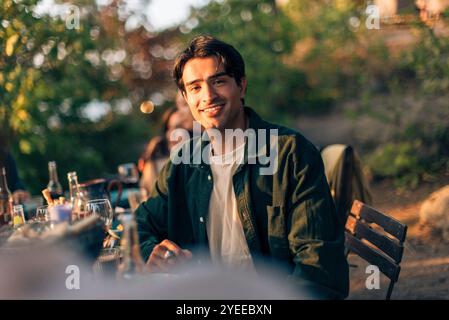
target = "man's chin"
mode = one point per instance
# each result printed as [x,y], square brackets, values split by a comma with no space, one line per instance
[214,124]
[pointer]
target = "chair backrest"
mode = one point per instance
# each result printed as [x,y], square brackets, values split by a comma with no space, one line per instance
[377,238]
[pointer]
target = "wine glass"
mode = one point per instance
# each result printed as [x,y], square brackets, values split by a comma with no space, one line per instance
[101,207]
[42,214]
[107,262]
[41,220]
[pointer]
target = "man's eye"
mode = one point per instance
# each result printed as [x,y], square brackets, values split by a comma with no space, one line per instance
[218,81]
[194,88]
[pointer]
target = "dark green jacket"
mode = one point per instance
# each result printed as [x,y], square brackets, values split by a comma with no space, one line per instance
[288,217]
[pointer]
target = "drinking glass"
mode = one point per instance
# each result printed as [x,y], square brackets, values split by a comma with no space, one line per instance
[101,207]
[41,220]
[108,261]
[42,214]
[18,216]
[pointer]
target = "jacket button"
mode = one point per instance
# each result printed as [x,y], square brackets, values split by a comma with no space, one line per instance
[201,219]
[209,177]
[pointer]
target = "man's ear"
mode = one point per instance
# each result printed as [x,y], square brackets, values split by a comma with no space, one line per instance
[242,86]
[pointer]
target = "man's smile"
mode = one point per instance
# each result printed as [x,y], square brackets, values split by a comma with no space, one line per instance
[213,110]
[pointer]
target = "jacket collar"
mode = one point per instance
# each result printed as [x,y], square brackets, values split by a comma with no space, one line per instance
[200,145]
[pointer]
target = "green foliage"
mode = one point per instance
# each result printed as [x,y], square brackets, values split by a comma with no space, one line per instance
[47,78]
[329,57]
[345,61]
[419,76]
[428,62]
[330,46]
[399,161]
[302,57]
[264,36]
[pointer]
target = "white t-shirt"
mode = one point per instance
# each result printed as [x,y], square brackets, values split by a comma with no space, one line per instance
[227,242]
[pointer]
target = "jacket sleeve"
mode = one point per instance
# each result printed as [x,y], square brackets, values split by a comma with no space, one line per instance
[151,215]
[315,233]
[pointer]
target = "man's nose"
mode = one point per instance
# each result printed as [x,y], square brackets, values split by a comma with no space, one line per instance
[209,94]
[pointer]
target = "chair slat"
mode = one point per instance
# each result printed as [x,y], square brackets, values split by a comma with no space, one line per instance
[373,256]
[387,245]
[371,215]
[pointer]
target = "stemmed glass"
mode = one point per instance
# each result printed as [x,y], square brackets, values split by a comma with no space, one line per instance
[42,214]
[103,208]
[41,220]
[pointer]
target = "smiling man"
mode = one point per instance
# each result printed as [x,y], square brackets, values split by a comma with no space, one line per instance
[224,205]
[213,95]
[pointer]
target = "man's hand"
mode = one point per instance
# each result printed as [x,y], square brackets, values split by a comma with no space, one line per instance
[166,255]
[20,196]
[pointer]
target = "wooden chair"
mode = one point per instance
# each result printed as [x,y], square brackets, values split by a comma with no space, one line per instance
[377,238]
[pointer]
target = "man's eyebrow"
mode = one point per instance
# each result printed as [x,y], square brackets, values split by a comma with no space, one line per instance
[219,74]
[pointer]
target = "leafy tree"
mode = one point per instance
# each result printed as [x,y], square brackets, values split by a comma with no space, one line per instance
[49,73]
[264,37]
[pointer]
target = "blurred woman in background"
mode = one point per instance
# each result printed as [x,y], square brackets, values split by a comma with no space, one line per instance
[157,151]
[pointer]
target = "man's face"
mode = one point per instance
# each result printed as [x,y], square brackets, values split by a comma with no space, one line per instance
[214,97]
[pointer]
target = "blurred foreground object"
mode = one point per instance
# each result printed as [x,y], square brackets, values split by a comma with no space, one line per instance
[434,212]
[84,236]
[132,264]
[44,272]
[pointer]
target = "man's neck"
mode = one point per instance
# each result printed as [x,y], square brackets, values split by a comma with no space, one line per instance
[228,144]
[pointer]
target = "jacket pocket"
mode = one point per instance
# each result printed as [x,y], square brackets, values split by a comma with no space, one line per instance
[277,232]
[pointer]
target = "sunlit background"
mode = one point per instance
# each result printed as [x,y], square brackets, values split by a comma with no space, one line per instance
[71,90]
[370,74]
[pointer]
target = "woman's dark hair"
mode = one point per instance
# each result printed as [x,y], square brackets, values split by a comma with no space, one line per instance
[207,46]
[161,149]
[166,118]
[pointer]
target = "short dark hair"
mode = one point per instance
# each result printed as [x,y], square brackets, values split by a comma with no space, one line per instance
[206,46]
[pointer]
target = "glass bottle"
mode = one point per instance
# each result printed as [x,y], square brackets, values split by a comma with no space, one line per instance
[132,263]
[6,201]
[77,200]
[18,216]
[54,186]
